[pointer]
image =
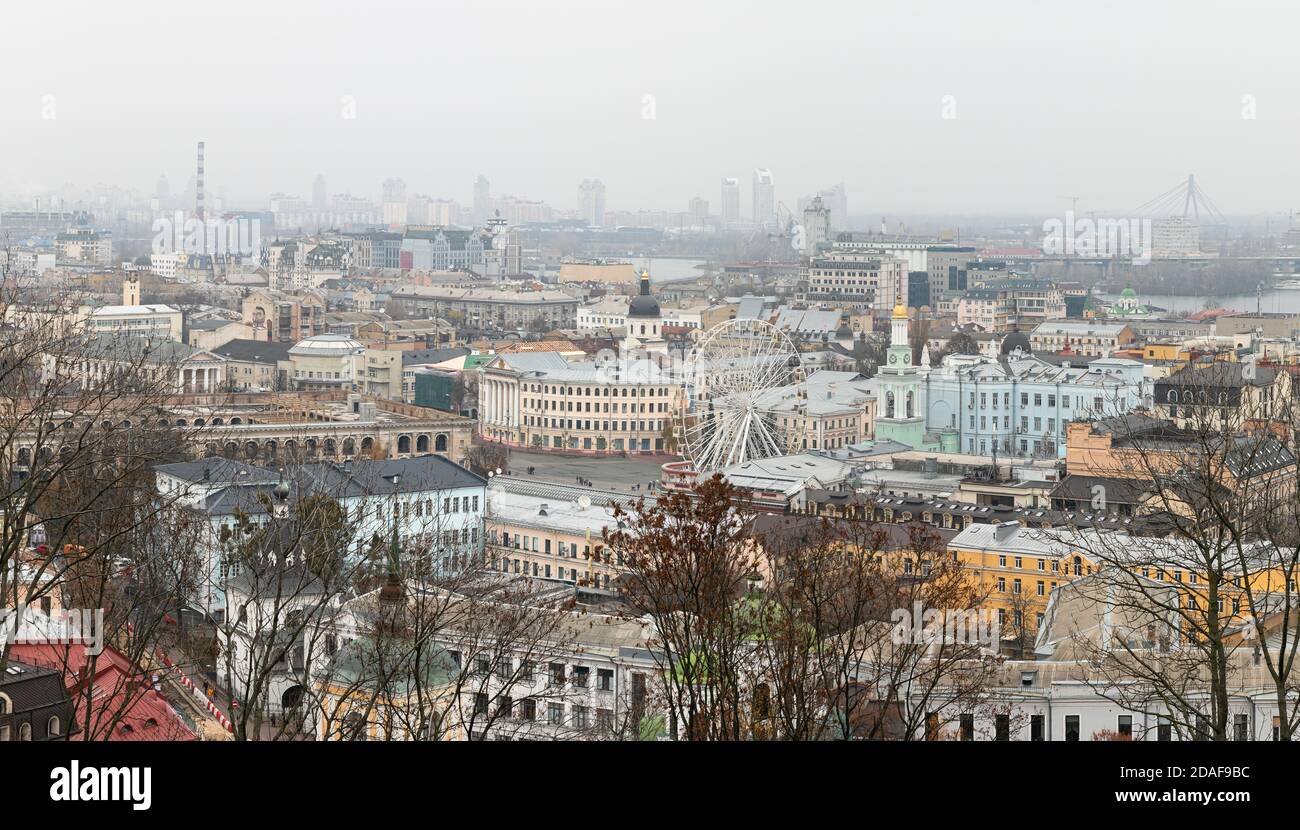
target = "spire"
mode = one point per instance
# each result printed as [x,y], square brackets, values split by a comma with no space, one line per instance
[925,355]
[645,283]
[392,590]
[900,310]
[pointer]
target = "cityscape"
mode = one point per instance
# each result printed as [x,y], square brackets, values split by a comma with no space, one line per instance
[613,409]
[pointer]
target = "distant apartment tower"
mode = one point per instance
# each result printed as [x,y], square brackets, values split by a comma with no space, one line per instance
[699,210]
[730,202]
[591,202]
[394,202]
[764,197]
[319,200]
[837,202]
[816,226]
[482,200]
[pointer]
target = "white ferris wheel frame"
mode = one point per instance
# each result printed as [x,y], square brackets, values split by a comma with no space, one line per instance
[733,363]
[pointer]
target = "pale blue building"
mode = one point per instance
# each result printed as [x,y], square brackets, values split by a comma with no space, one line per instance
[1019,405]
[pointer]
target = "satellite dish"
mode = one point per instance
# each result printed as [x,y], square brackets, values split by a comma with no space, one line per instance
[584,502]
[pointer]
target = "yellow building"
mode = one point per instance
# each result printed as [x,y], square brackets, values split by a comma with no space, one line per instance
[558,535]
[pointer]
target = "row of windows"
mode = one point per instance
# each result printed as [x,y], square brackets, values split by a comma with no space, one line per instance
[1123,728]
[577,406]
[53,727]
[596,391]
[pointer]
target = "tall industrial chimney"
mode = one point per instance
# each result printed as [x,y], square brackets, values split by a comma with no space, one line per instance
[198,208]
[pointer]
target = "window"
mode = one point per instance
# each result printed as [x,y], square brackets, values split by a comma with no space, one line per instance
[1002,728]
[555,714]
[605,680]
[1125,725]
[1164,730]
[968,727]
[557,674]
[1072,728]
[1036,728]
[580,720]
[580,675]
[52,727]
[528,709]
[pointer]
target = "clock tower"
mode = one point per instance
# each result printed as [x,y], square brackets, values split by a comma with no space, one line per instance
[898,405]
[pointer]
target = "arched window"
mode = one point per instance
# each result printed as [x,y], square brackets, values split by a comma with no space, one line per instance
[25,732]
[52,728]
[889,404]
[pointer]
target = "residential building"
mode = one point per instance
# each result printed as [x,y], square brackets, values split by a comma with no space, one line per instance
[861,275]
[284,317]
[591,202]
[430,503]
[730,203]
[34,705]
[84,246]
[764,196]
[492,309]
[1224,395]
[1083,337]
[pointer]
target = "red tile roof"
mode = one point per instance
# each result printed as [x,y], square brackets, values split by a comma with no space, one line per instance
[141,713]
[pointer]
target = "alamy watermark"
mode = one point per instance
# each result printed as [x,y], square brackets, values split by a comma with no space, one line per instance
[66,626]
[241,236]
[951,626]
[1088,237]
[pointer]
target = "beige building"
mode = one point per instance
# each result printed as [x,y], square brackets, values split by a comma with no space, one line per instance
[381,374]
[328,361]
[550,532]
[864,275]
[209,334]
[540,400]
[1083,337]
[606,273]
[284,317]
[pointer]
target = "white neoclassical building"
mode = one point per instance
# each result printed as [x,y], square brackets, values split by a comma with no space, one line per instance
[540,400]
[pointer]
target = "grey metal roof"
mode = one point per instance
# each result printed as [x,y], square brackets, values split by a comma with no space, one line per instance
[253,351]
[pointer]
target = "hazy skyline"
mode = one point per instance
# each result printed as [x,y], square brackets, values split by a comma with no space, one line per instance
[1114,107]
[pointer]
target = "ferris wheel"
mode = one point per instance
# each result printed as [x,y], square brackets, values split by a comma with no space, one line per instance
[731,378]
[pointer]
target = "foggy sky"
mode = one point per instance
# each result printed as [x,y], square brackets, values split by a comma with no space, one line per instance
[1111,101]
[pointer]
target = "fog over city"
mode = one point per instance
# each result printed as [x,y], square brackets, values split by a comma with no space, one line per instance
[918,107]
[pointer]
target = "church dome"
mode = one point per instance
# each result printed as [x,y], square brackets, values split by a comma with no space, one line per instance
[644,304]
